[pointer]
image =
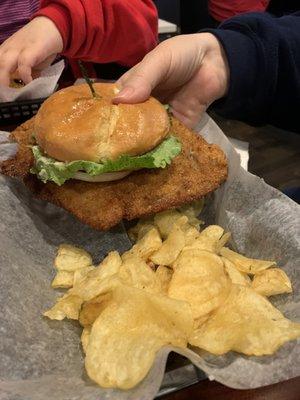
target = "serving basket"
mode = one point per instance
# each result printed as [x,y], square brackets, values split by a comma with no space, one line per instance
[180,372]
[16,112]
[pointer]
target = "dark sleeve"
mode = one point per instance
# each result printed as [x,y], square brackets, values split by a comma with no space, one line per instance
[264,60]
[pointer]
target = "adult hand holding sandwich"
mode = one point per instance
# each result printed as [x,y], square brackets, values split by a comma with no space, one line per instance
[189,72]
[252,61]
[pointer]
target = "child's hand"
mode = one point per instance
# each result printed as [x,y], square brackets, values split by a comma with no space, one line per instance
[189,72]
[33,46]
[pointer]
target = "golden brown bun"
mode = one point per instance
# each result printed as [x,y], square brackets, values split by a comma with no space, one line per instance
[72,125]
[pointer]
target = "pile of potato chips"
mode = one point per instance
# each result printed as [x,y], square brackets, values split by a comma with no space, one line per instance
[179,286]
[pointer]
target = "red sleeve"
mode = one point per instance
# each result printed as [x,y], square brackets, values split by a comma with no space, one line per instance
[104,31]
[220,10]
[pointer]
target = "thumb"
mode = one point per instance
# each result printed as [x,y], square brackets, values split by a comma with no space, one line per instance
[137,84]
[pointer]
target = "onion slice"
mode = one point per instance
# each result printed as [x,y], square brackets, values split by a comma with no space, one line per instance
[106,177]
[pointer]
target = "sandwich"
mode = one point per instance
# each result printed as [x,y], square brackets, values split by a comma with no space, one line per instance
[91,139]
[104,162]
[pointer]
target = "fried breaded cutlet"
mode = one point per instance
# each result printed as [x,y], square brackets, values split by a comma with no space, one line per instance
[197,171]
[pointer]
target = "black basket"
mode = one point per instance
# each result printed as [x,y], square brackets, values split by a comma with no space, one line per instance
[16,112]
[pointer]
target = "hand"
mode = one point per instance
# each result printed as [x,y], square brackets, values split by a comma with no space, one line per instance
[33,46]
[189,72]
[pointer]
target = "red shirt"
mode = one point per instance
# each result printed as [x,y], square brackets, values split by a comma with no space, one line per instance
[104,31]
[222,9]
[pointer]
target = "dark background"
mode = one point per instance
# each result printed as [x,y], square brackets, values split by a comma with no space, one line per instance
[192,15]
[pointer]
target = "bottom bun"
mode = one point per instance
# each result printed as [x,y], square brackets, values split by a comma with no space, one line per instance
[107,177]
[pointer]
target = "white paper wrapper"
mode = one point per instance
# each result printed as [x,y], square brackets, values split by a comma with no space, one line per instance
[38,88]
[42,359]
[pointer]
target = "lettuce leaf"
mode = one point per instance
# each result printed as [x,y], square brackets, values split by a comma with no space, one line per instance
[49,169]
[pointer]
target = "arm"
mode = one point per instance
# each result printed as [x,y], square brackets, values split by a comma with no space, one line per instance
[264,62]
[104,31]
[249,68]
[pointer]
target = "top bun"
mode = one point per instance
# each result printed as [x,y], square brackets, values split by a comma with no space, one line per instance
[72,125]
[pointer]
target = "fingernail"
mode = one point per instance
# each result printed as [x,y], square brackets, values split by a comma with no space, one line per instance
[125,92]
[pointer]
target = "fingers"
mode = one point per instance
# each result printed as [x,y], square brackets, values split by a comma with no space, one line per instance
[163,71]
[25,72]
[134,88]
[26,61]
[10,61]
[8,64]
[23,61]
[189,119]
[35,43]
[179,72]
[190,102]
[137,84]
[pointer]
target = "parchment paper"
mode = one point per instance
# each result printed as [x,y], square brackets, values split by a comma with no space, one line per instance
[38,88]
[42,359]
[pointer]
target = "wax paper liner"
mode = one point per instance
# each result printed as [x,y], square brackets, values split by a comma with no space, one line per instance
[39,88]
[42,359]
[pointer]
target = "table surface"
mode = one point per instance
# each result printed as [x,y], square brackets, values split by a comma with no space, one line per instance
[206,390]
[274,156]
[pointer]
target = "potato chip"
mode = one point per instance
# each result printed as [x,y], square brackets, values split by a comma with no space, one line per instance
[109,266]
[187,289]
[130,331]
[192,211]
[200,321]
[171,247]
[81,273]
[140,229]
[199,278]
[151,265]
[235,275]
[184,217]
[69,258]
[208,239]
[244,264]
[67,306]
[221,243]
[165,220]
[190,234]
[164,274]
[136,272]
[91,309]
[272,281]
[147,245]
[85,337]
[101,280]
[63,279]
[247,323]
